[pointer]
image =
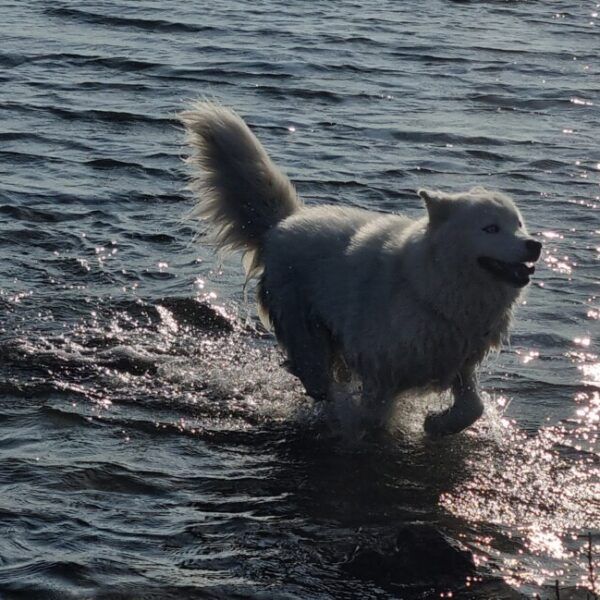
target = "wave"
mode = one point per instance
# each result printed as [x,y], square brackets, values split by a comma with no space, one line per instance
[39,215]
[74,114]
[153,25]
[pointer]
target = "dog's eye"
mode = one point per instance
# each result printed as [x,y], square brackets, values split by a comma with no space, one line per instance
[491,228]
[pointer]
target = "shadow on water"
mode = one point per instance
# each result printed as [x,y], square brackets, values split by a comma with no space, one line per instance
[374,509]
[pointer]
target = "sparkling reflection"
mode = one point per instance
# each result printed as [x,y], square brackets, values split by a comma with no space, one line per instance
[542,494]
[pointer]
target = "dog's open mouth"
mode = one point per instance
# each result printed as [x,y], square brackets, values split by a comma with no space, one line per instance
[516,274]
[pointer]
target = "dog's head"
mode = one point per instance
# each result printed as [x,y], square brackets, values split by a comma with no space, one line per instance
[484,231]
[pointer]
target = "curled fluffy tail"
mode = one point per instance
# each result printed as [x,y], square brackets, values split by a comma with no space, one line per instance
[240,191]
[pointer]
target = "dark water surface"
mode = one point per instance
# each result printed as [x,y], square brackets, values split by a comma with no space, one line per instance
[153,448]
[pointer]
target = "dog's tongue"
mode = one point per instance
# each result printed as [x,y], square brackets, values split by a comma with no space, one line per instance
[522,270]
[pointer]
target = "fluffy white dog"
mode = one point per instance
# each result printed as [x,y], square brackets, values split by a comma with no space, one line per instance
[401,304]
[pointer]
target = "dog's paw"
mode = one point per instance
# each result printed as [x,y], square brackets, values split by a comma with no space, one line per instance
[452,420]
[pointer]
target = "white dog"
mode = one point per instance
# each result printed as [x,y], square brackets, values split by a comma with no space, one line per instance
[401,304]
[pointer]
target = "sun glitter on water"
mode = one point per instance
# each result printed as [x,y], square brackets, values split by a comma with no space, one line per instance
[539,496]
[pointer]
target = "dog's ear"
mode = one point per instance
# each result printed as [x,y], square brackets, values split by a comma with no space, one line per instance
[439,205]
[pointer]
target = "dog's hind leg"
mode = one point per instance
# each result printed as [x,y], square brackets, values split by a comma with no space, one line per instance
[306,341]
[467,408]
[309,352]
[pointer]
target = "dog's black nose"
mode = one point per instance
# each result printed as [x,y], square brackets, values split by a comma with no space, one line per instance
[534,248]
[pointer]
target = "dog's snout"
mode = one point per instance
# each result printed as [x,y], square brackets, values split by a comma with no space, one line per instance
[534,248]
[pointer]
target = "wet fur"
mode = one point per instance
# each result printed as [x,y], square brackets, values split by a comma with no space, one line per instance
[401,303]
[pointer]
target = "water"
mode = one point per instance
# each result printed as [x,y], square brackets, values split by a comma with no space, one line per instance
[152,447]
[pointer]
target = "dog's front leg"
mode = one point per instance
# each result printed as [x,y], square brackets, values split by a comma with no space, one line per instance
[467,408]
[378,403]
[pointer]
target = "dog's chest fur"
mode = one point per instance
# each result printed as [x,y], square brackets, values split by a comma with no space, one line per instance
[412,345]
